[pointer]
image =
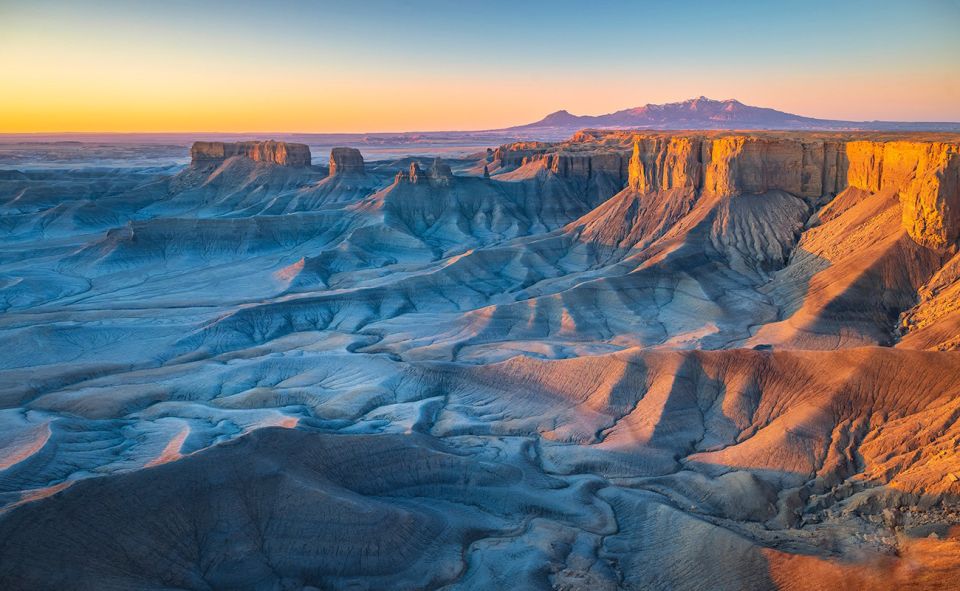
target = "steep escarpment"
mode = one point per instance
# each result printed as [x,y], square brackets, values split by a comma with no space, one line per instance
[924,175]
[346,161]
[453,212]
[879,225]
[929,191]
[566,163]
[282,153]
[730,166]
[721,166]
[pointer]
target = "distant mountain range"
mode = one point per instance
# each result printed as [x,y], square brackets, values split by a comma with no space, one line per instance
[704,113]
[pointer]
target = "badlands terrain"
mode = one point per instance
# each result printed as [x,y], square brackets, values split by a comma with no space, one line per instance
[627,360]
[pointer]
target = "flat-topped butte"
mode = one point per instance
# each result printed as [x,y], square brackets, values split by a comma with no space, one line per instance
[282,153]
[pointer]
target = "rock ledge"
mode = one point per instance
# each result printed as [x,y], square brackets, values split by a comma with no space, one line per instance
[282,153]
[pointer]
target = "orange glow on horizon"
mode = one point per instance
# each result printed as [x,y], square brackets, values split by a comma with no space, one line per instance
[166,105]
[134,75]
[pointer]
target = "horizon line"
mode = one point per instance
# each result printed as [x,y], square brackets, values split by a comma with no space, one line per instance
[498,130]
[527,125]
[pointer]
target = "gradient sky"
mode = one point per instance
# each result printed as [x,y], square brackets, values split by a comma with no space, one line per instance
[439,65]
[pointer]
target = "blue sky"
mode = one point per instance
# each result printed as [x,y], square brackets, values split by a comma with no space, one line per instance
[430,64]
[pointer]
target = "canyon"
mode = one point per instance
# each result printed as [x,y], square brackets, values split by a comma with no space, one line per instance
[622,360]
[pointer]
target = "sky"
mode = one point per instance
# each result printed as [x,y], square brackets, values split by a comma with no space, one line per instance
[377,65]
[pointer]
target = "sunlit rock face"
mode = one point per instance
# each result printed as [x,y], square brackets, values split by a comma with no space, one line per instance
[628,360]
[931,199]
[924,175]
[282,153]
[565,164]
[345,161]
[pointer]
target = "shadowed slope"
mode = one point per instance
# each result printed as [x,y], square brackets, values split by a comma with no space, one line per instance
[533,379]
[746,443]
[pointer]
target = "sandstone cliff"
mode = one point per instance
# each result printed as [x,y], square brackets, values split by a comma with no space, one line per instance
[345,160]
[282,153]
[735,165]
[564,163]
[924,175]
[930,197]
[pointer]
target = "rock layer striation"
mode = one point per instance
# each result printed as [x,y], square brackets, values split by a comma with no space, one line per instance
[626,361]
[924,176]
[345,161]
[282,153]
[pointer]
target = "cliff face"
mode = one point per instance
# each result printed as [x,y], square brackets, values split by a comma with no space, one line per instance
[924,175]
[345,160]
[282,153]
[928,182]
[733,165]
[566,164]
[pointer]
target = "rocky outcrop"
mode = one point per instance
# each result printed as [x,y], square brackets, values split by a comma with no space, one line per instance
[439,174]
[566,164]
[282,153]
[346,161]
[636,178]
[587,165]
[519,153]
[934,322]
[674,164]
[925,176]
[931,200]
[730,165]
[416,173]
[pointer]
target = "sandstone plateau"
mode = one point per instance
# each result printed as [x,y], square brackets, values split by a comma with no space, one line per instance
[282,153]
[924,175]
[627,360]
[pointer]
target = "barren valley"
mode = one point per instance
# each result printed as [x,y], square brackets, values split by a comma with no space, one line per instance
[623,360]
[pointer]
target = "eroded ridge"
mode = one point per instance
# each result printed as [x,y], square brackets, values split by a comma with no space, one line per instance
[697,360]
